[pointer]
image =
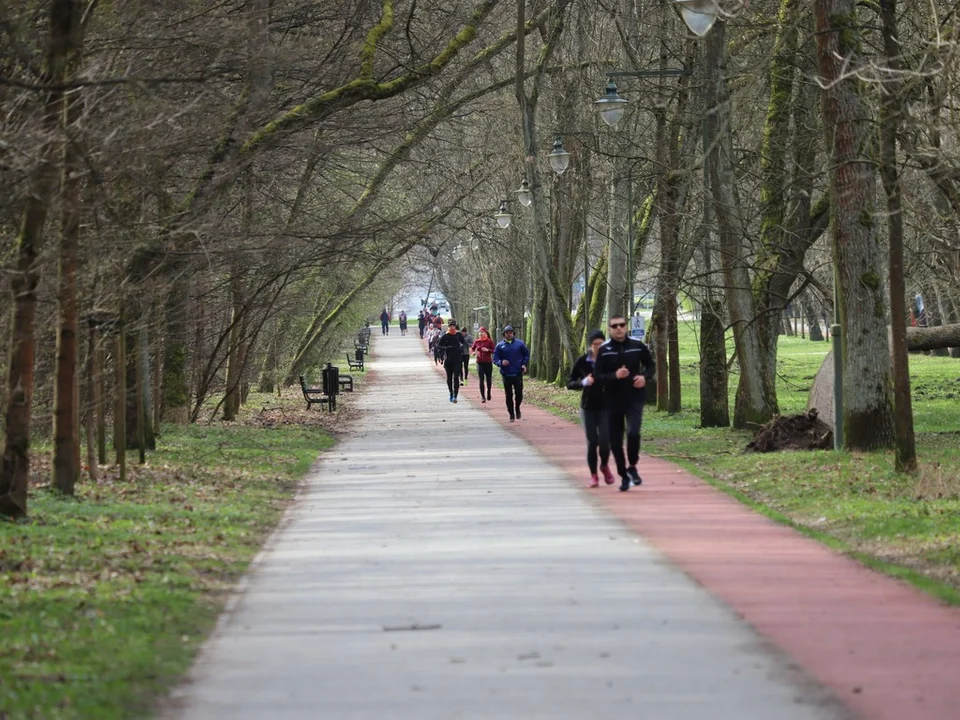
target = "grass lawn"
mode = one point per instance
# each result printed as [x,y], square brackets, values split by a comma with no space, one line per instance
[903,525]
[105,598]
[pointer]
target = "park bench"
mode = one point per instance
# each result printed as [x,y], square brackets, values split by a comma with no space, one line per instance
[356,362]
[314,396]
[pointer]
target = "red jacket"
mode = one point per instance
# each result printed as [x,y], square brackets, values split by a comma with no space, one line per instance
[484,350]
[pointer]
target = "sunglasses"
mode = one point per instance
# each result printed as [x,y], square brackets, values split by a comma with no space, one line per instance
[618,325]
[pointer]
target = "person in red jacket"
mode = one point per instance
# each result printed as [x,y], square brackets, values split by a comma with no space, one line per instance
[483,348]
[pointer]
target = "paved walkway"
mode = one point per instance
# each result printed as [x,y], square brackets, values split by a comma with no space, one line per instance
[436,568]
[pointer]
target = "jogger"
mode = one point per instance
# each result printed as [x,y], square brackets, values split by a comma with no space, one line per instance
[512,357]
[483,346]
[451,345]
[593,410]
[625,366]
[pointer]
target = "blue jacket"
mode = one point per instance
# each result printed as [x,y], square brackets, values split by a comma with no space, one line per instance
[515,352]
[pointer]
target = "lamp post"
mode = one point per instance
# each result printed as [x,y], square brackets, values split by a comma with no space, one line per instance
[524,194]
[558,157]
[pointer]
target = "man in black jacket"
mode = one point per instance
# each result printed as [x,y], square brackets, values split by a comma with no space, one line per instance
[451,345]
[625,366]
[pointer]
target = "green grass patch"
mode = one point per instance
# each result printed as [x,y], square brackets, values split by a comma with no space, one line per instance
[105,598]
[905,526]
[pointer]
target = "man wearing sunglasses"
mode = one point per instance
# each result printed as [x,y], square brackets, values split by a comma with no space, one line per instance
[625,366]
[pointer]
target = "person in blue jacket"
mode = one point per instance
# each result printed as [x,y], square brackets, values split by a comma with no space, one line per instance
[512,357]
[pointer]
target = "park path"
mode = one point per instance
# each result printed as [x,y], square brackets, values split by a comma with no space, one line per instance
[437,567]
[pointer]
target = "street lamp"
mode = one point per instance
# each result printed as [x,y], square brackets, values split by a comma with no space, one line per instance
[698,15]
[559,158]
[503,216]
[524,194]
[611,105]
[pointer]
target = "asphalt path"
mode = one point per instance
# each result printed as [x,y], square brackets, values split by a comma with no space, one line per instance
[437,567]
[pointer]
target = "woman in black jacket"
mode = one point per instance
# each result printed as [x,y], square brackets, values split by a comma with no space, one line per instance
[593,410]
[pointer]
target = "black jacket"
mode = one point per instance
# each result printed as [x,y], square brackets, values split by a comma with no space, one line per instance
[451,347]
[591,398]
[636,357]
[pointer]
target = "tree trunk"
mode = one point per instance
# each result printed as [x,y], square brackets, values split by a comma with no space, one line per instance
[176,378]
[867,413]
[816,334]
[933,338]
[64,42]
[66,433]
[231,400]
[618,273]
[756,401]
[906,455]
[714,388]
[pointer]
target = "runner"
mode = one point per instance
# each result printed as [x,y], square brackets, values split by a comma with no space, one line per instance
[625,366]
[384,322]
[402,319]
[512,357]
[451,345]
[422,321]
[467,344]
[483,346]
[593,410]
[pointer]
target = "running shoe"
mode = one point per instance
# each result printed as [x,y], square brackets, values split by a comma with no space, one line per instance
[624,483]
[607,475]
[594,481]
[454,398]
[518,414]
[634,476]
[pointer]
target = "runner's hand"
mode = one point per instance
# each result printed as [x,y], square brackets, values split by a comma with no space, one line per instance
[504,362]
[622,372]
[588,381]
[639,381]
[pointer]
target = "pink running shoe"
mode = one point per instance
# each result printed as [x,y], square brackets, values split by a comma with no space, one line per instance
[594,481]
[607,475]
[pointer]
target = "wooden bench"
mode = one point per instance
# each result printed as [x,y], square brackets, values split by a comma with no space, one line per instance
[313,396]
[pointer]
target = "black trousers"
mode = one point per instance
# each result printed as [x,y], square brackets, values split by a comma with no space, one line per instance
[485,374]
[596,426]
[384,328]
[628,418]
[466,366]
[453,376]
[423,328]
[513,388]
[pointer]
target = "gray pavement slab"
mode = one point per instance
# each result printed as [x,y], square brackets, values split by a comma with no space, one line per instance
[436,567]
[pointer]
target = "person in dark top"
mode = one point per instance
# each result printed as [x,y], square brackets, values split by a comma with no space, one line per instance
[384,322]
[593,409]
[402,319]
[513,358]
[451,345]
[422,322]
[625,366]
[467,344]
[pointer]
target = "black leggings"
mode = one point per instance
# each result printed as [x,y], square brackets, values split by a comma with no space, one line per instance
[485,373]
[466,366]
[453,377]
[632,417]
[596,427]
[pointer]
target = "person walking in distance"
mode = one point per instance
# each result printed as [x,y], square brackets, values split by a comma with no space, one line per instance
[593,409]
[384,322]
[467,344]
[625,366]
[402,319]
[512,357]
[422,322]
[483,347]
[451,345]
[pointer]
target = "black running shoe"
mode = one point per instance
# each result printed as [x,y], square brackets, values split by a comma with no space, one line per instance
[518,414]
[634,476]
[624,483]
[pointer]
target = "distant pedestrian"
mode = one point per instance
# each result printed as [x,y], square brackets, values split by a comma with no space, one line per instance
[451,344]
[625,367]
[467,344]
[402,319]
[422,322]
[512,357]
[593,409]
[384,322]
